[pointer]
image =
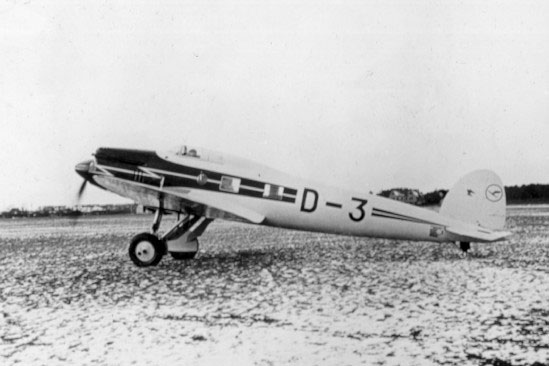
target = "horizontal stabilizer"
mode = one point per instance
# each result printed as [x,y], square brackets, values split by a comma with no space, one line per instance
[479,234]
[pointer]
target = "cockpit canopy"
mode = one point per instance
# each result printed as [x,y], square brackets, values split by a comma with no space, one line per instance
[198,153]
[186,151]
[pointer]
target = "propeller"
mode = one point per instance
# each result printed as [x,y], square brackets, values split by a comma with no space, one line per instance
[83,169]
[78,198]
[81,191]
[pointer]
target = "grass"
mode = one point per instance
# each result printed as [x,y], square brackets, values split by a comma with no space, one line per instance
[61,281]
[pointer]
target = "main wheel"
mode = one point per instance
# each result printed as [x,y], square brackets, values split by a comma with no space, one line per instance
[146,250]
[183,255]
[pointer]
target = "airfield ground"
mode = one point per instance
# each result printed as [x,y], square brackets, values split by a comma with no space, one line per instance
[69,295]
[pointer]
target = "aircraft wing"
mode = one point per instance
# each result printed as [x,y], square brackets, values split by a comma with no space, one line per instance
[217,203]
[179,199]
[477,234]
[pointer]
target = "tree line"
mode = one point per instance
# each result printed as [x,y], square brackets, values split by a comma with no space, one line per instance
[531,193]
[525,194]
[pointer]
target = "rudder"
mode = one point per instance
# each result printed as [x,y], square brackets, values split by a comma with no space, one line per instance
[477,198]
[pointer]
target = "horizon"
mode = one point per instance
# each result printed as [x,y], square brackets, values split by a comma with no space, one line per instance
[125,201]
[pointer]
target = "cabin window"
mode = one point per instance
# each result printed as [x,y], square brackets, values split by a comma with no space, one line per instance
[229,184]
[273,191]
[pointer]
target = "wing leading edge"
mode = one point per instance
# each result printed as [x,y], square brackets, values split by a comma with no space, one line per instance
[179,199]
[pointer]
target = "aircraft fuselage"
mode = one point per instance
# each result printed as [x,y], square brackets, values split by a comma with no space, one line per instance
[283,200]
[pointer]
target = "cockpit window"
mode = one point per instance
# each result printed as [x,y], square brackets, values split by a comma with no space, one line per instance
[273,191]
[229,184]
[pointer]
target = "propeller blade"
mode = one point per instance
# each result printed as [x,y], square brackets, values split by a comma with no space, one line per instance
[81,190]
[78,199]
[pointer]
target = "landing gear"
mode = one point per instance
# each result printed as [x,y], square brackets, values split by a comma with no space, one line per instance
[146,250]
[181,241]
[464,246]
[182,238]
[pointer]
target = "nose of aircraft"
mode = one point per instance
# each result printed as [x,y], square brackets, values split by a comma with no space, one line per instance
[83,168]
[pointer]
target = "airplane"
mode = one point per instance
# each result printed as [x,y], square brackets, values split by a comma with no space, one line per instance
[202,185]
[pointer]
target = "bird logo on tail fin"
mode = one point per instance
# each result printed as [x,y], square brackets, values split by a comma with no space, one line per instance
[494,193]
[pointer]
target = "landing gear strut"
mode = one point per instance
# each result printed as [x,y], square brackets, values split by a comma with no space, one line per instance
[156,222]
[181,240]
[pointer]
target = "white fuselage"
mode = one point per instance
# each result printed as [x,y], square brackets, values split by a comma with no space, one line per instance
[327,209]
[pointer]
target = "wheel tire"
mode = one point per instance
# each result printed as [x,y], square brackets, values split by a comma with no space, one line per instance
[146,250]
[183,256]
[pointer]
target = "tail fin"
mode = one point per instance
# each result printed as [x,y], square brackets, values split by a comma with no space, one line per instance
[478,198]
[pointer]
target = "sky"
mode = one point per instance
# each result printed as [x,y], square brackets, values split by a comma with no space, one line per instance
[365,95]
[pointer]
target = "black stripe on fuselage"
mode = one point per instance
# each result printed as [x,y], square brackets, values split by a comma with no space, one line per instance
[177,181]
[290,191]
[396,216]
[177,175]
[250,193]
[252,183]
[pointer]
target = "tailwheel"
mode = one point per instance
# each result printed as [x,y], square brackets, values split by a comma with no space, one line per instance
[146,249]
